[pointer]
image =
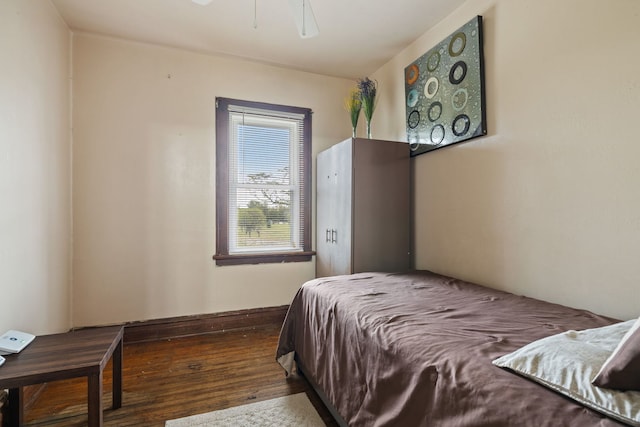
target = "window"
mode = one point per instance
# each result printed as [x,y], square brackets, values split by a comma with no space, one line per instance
[263,182]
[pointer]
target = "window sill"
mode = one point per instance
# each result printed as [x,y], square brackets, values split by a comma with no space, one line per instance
[263,258]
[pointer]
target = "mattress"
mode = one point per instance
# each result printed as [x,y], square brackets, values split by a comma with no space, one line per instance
[415,349]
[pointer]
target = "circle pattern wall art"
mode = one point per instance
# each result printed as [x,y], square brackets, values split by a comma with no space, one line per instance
[444,91]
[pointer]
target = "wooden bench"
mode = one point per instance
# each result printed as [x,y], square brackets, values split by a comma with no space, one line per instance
[82,353]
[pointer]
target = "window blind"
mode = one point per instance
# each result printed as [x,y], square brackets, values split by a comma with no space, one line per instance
[266,179]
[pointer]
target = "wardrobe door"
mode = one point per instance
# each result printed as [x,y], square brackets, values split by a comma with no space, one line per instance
[333,211]
[342,209]
[324,221]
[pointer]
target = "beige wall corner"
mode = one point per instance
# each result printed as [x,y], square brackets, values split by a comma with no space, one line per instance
[35,169]
[547,204]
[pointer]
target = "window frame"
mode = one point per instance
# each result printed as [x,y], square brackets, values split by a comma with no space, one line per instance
[222,256]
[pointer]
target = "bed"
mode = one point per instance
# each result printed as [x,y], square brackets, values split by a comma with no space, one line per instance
[417,349]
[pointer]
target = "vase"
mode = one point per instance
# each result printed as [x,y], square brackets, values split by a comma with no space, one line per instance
[368,122]
[353,132]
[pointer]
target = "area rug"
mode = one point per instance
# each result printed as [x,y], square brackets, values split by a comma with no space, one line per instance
[289,411]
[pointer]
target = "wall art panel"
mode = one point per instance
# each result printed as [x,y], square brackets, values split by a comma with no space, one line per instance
[444,90]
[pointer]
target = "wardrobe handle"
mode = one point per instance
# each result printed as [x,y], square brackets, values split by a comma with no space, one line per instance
[328,236]
[334,236]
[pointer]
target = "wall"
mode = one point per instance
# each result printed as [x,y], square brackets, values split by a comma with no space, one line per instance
[35,168]
[547,204]
[144,179]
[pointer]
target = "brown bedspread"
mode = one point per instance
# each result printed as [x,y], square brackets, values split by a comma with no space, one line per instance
[415,349]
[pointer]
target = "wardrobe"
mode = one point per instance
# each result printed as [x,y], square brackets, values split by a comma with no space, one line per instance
[363,207]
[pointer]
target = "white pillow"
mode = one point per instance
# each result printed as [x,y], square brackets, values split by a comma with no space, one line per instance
[567,363]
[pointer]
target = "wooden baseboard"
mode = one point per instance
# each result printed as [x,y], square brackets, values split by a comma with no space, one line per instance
[175,327]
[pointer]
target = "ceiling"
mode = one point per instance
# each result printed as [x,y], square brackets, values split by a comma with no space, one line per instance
[356,36]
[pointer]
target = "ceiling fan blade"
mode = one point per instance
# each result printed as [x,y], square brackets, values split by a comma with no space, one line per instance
[304,18]
[202,2]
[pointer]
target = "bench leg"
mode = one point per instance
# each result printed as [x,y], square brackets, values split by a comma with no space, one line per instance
[95,400]
[117,376]
[15,413]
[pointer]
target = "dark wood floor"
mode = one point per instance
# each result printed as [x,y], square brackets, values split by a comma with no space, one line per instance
[170,379]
